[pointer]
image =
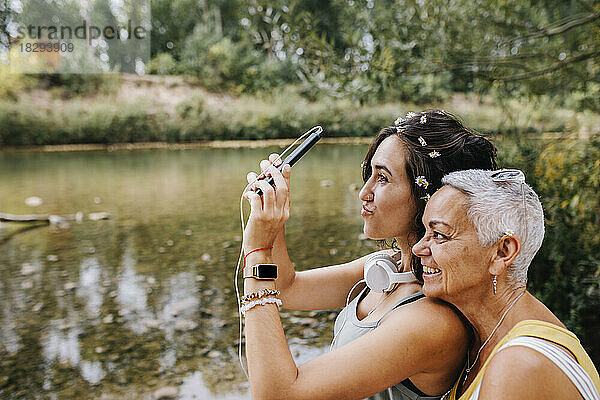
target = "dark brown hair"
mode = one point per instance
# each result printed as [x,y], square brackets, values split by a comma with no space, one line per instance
[456,148]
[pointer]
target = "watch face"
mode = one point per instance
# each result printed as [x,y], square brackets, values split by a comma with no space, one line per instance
[267,271]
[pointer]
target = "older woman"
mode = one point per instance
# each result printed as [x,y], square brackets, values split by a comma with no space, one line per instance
[483,228]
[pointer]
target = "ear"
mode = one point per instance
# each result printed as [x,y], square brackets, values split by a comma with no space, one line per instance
[505,252]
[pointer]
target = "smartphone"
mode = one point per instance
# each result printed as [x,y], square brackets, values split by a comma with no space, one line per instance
[299,151]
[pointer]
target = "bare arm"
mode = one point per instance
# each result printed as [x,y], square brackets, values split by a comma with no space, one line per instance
[417,340]
[304,290]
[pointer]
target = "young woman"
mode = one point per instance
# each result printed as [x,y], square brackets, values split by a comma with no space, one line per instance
[483,230]
[393,344]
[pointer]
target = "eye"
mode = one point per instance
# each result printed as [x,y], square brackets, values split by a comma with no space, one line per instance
[382,178]
[439,236]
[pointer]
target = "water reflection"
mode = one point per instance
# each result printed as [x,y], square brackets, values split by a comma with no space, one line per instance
[121,307]
[89,288]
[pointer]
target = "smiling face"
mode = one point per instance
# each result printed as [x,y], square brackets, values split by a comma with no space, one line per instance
[454,263]
[388,205]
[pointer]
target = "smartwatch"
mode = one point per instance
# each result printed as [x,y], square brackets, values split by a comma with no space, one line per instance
[265,272]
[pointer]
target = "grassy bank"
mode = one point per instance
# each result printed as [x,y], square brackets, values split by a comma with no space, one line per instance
[131,109]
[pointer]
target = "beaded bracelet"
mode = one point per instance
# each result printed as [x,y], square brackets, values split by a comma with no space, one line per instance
[260,294]
[260,302]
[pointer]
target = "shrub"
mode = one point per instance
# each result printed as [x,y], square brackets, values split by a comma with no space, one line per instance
[162,64]
[565,273]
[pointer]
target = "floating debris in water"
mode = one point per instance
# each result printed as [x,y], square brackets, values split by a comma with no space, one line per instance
[28,269]
[151,323]
[98,216]
[37,307]
[70,286]
[214,354]
[108,319]
[52,257]
[34,201]
[206,257]
[200,278]
[64,225]
[26,284]
[97,200]
[180,306]
[167,392]
[185,325]
[170,243]
[326,183]
[188,232]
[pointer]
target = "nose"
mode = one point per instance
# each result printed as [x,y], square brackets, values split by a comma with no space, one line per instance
[421,249]
[366,194]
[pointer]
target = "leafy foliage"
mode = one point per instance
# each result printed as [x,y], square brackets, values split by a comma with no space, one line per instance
[565,273]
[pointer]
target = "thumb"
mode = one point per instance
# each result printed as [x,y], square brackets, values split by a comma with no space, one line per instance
[286,171]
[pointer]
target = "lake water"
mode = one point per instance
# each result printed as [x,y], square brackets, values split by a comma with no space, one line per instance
[118,308]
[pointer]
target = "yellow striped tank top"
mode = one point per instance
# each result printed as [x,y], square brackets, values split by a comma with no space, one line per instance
[536,329]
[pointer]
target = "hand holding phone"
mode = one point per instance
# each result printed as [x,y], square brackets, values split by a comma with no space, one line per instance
[313,138]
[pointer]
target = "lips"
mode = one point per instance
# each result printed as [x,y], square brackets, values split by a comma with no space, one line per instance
[365,211]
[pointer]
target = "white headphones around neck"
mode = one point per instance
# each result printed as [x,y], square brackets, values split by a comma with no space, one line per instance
[381,272]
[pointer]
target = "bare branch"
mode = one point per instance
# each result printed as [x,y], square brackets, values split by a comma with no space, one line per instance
[564,25]
[552,68]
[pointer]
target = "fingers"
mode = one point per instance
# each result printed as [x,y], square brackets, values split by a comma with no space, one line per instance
[273,160]
[268,195]
[255,201]
[251,176]
[281,187]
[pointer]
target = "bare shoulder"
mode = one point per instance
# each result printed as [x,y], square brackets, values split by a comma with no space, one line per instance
[438,316]
[519,372]
[436,325]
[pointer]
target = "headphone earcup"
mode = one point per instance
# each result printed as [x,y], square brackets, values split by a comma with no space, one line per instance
[377,272]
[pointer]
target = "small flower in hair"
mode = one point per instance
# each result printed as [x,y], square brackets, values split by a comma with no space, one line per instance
[509,232]
[422,141]
[421,181]
[398,121]
[399,129]
[426,197]
[434,154]
[423,119]
[411,114]
[442,112]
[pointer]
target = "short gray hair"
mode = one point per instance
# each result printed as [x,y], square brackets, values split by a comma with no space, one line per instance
[496,208]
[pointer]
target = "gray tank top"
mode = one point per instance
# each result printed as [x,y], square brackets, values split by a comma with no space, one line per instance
[354,328]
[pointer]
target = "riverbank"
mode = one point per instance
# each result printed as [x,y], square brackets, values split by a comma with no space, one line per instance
[215,144]
[168,110]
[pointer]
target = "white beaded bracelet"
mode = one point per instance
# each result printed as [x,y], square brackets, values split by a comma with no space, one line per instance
[259,302]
